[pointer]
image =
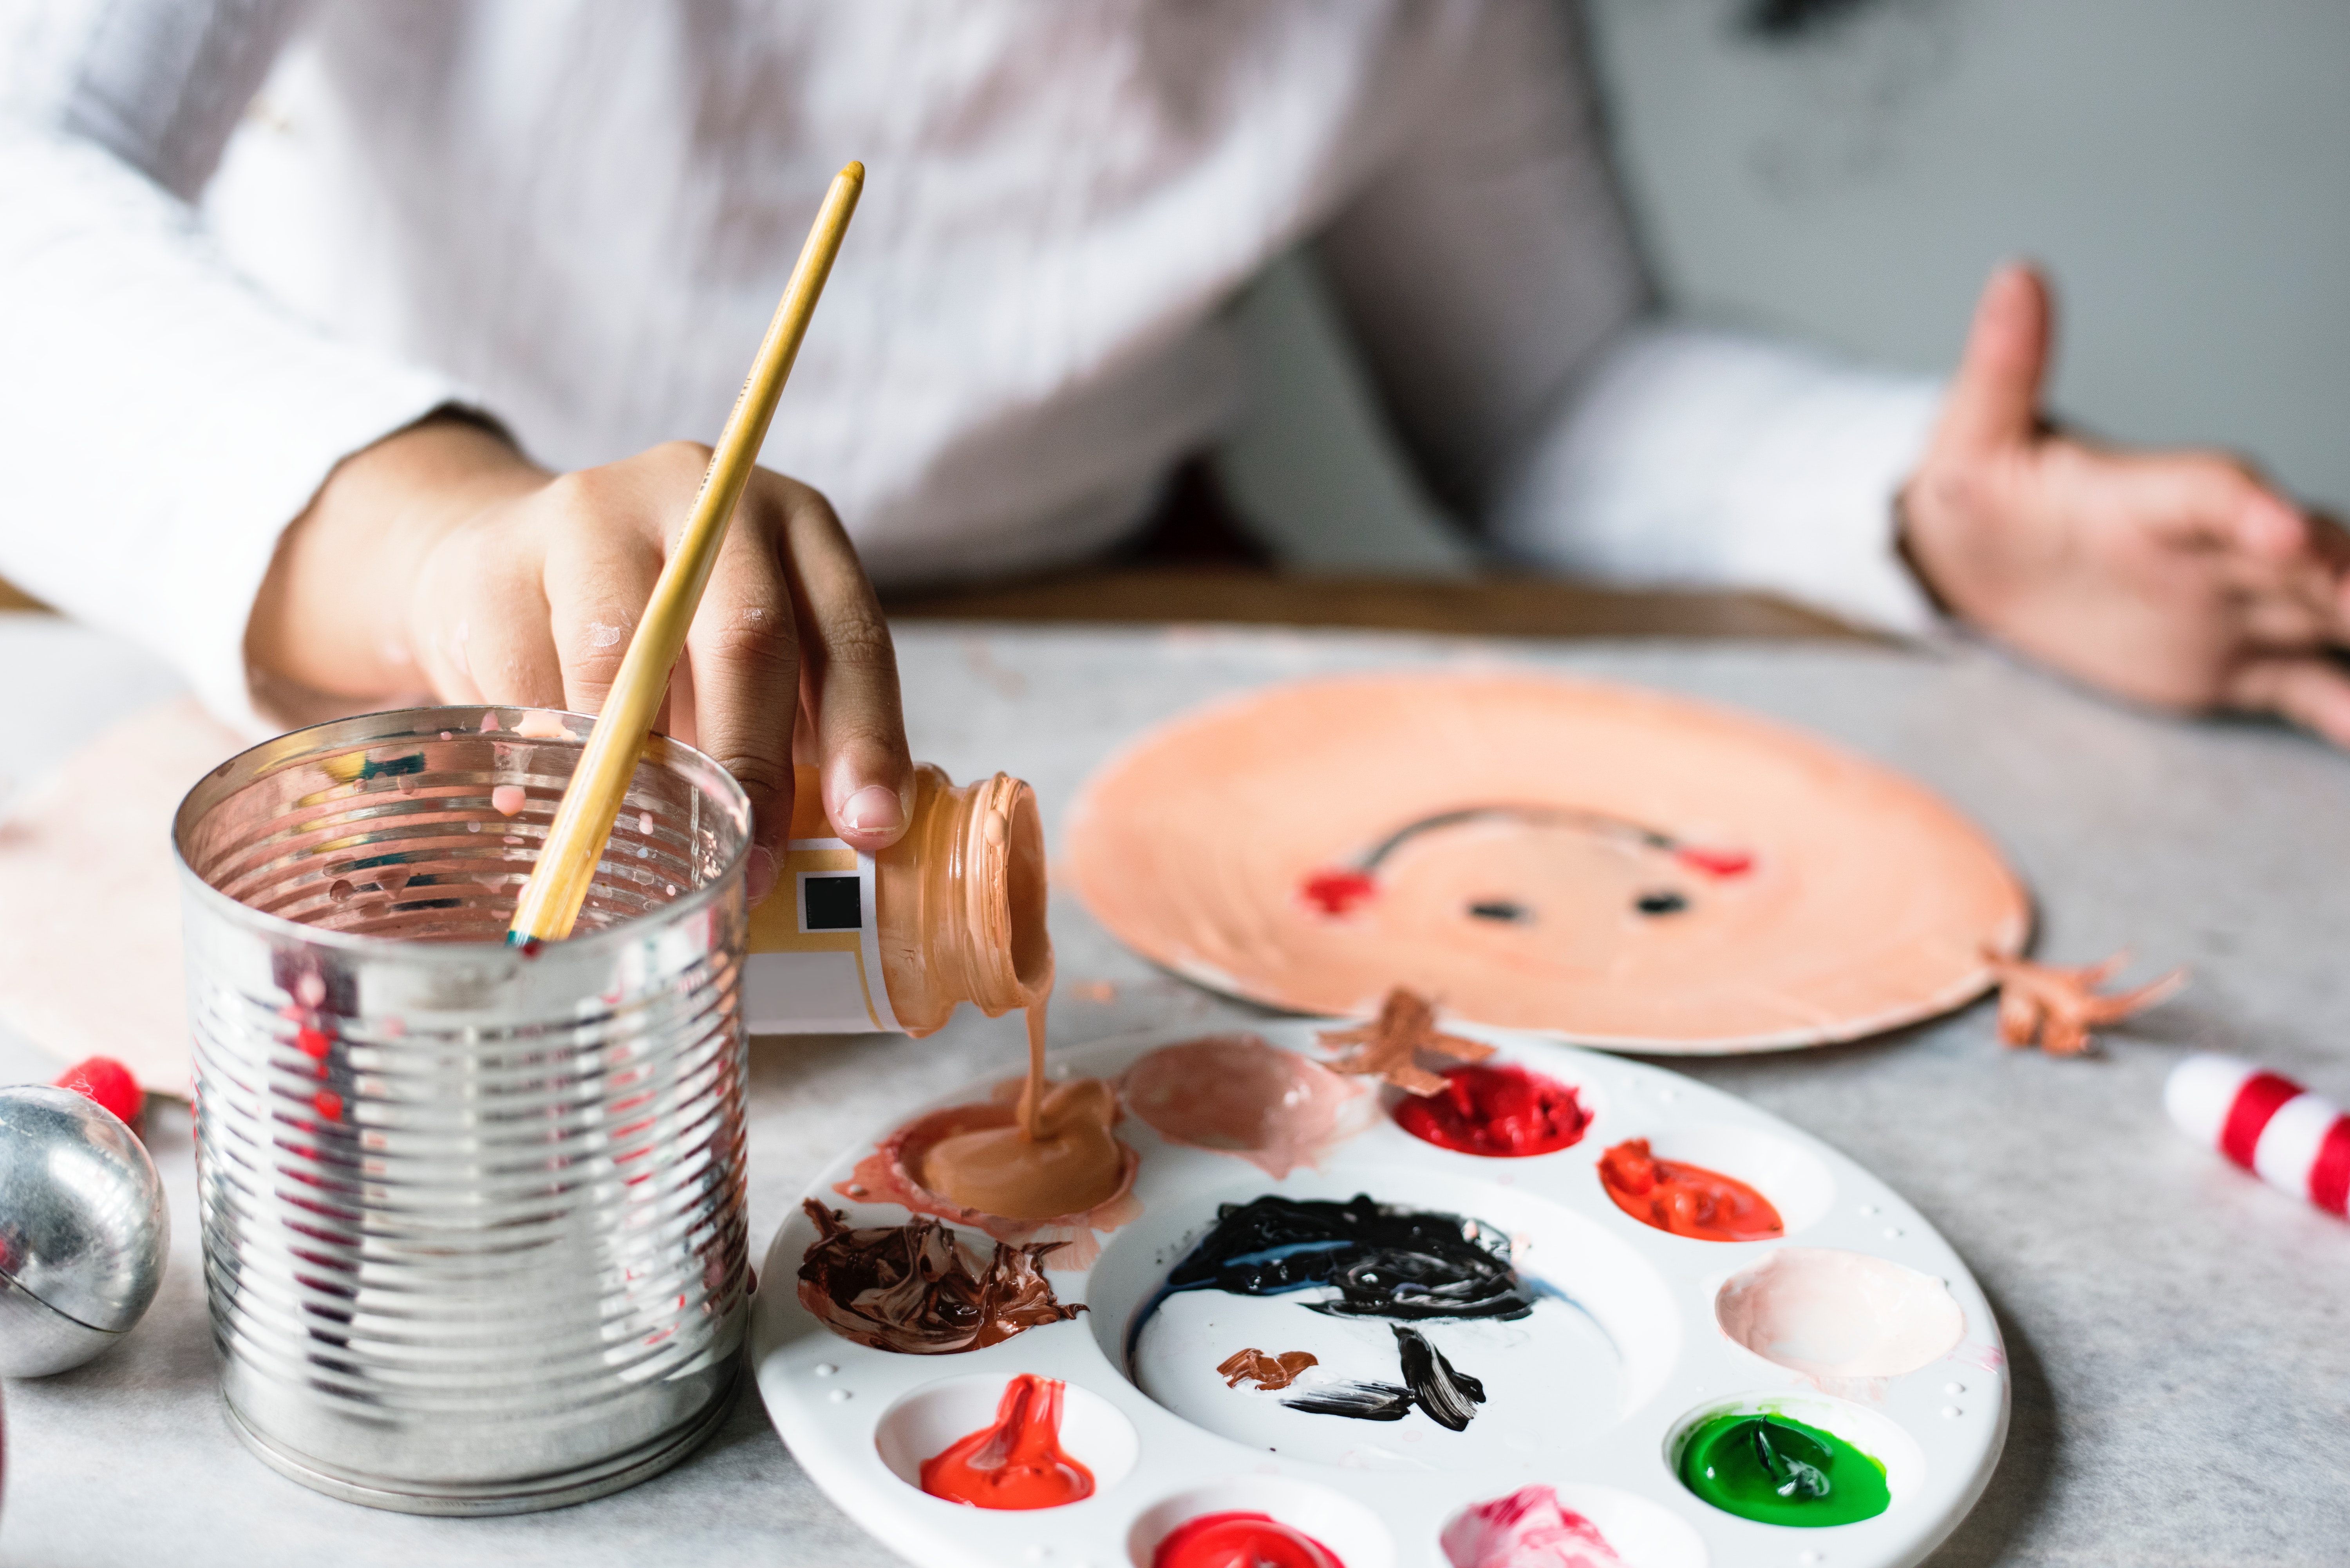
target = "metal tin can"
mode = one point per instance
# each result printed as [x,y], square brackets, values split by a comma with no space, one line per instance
[473,1216]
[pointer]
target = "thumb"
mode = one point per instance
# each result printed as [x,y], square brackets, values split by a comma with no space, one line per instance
[1995,398]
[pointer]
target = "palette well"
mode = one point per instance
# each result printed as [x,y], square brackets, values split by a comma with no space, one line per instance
[1487,1355]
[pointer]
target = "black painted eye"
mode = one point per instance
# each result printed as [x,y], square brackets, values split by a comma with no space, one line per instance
[1664,903]
[1501,909]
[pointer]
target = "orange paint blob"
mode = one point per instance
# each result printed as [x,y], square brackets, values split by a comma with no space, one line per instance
[1240,1540]
[1685,1199]
[1017,1462]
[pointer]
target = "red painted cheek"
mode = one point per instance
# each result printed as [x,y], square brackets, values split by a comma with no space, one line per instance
[1716,862]
[1017,1463]
[1336,893]
[1504,1112]
[1241,1540]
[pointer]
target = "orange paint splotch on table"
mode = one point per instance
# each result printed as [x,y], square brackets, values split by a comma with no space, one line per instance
[2056,1007]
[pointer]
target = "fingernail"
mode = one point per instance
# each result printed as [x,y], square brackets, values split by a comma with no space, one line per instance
[874,809]
[759,873]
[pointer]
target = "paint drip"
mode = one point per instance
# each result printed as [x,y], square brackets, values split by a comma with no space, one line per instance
[1775,1470]
[1267,1372]
[1501,1112]
[1685,1199]
[1378,1261]
[1236,1094]
[1064,1161]
[1528,1529]
[917,1290]
[1017,1462]
[1240,1540]
[508,799]
[889,1175]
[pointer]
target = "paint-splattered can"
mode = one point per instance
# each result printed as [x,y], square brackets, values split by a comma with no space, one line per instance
[472,1217]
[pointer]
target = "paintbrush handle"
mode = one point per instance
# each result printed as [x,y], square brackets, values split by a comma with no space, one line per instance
[558,884]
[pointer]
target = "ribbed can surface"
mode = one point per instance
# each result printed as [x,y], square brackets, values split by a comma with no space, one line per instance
[473,1218]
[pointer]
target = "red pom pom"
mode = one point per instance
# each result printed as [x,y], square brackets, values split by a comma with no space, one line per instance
[110,1083]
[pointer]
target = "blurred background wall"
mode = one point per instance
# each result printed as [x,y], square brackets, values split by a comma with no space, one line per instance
[2182,167]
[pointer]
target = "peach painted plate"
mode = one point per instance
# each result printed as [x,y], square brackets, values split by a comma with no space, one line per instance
[1614,864]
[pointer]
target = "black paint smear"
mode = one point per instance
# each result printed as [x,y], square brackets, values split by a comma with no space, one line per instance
[1359,1401]
[1385,1262]
[1665,903]
[1499,910]
[1449,1398]
[1415,1265]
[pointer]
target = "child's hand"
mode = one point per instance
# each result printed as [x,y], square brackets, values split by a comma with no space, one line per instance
[441,559]
[2175,579]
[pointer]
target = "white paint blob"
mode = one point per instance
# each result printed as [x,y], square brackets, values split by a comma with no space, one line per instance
[1830,1314]
[508,799]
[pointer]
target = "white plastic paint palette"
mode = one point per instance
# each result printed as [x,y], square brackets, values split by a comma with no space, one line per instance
[1592,1393]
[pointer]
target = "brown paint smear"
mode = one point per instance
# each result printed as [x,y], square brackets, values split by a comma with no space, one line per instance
[917,1290]
[1265,1371]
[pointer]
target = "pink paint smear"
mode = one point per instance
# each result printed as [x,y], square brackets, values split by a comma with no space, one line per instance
[1528,1529]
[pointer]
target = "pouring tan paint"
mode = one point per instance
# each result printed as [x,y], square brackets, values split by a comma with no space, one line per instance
[956,914]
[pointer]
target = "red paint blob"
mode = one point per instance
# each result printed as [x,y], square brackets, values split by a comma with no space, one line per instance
[1339,892]
[110,1083]
[1015,1463]
[1241,1540]
[1685,1199]
[1504,1113]
[1716,862]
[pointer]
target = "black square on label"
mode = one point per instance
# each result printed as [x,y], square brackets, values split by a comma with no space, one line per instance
[831,904]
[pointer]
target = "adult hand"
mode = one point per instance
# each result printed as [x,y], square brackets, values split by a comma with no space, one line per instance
[2177,579]
[441,559]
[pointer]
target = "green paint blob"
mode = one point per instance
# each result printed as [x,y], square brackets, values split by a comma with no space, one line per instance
[1778,1470]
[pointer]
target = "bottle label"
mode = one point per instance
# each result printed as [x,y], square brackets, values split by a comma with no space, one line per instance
[815,964]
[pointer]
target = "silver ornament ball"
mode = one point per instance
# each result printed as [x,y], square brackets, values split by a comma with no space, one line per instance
[83,1230]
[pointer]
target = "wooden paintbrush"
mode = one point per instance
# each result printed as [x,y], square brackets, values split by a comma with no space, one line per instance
[558,884]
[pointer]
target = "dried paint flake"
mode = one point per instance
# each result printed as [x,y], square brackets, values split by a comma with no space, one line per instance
[2056,1007]
[1389,1046]
[1265,1371]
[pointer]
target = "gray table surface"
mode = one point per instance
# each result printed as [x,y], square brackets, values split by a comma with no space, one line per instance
[2175,1330]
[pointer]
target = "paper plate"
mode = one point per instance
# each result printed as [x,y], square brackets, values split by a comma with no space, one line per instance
[1623,867]
[1637,1339]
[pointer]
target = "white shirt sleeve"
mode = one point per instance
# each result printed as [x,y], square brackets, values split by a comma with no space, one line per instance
[1703,458]
[161,420]
[1490,276]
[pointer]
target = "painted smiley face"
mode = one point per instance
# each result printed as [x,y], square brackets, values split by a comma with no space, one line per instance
[1564,878]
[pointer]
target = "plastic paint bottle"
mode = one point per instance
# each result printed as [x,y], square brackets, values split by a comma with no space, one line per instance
[953,912]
